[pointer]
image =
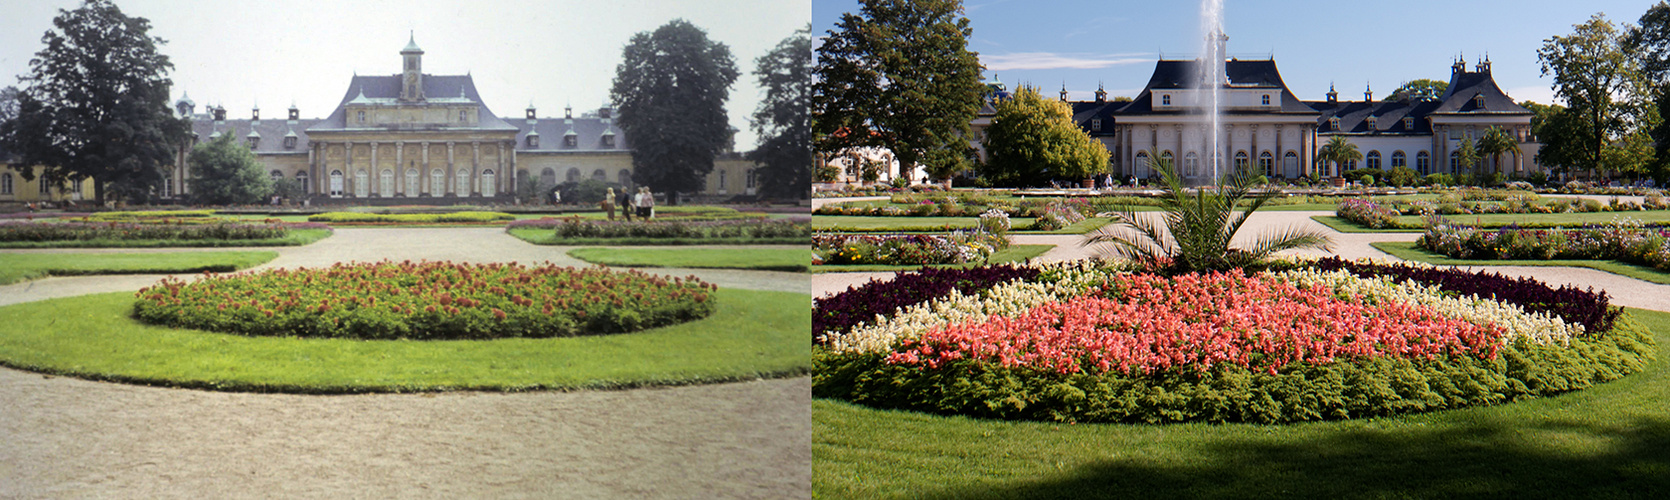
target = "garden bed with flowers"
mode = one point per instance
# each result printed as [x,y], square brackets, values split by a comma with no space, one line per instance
[1623,239]
[425,301]
[956,247]
[1322,340]
[579,231]
[161,233]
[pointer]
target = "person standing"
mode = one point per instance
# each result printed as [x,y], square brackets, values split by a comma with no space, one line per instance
[609,203]
[625,202]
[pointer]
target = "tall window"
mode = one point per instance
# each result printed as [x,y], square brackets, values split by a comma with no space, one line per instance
[1455,161]
[1423,163]
[6,183]
[301,179]
[1191,165]
[362,116]
[1398,160]
[722,179]
[1290,163]
[1267,163]
[1141,164]
[1165,99]
[488,181]
[46,187]
[1373,159]
[461,115]
[1242,161]
[751,180]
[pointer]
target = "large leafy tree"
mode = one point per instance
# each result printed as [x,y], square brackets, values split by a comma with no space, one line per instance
[898,75]
[784,118]
[1416,90]
[1032,140]
[1650,41]
[1194,229]
[224,172]
[96,105]
[671,87]
[1594,72]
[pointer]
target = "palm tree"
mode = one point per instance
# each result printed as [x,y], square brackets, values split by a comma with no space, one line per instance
[1201,225]
[1493,143]
[1339,151]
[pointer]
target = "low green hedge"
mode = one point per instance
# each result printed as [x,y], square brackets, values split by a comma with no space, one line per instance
[151,214]
[1363,388]
[351,217]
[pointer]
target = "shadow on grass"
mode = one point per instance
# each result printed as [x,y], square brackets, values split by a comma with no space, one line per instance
[1495,458]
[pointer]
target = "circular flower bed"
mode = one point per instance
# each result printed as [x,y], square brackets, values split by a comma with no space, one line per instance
[1086,342]
[429,300]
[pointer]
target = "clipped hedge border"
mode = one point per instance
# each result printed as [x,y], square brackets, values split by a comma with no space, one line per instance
[355,217]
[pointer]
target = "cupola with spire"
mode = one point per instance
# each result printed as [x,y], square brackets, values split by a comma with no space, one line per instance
[1333,96]
[1368,93]
[412,78]
[1101,93]
[185,105]
[295,114]
[1063,91]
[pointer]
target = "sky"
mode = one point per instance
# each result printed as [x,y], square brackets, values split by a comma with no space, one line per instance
[552,53]
[1351,45]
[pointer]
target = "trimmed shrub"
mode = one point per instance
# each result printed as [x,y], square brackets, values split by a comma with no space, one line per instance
[454,217]
[842,311]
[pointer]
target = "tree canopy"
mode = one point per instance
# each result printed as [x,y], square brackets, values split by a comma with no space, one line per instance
[1033,140]
[1650,40]
[224,172]
[898,75]
[1417,90]
[1599,79]
[784,118]
[96,105]
[671,87]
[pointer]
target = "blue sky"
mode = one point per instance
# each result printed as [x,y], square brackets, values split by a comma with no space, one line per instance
[1314,42]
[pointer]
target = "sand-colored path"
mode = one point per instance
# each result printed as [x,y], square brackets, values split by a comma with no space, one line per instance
[71,438]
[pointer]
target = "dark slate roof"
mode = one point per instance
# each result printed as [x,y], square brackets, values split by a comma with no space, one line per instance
[272,133]
[1353,116]
[1465,85]
[436,88]
[1180,74]
[588,133]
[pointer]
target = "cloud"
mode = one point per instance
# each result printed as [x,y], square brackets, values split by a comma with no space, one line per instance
[1051,60]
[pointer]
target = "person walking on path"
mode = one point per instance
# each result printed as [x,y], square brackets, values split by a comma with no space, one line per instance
[646,204]
[625,202]
[609,203]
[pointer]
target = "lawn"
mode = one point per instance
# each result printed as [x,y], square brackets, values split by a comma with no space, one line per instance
[859,223]
[1013,254]
[1500,220]
[297,237]
[1610,441]
[1408,251]
[751,334]
[15,267]
[763,259]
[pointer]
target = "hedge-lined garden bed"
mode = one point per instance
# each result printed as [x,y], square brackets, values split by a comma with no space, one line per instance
[447,218]
[577,231]
[22,234]
[1081,342]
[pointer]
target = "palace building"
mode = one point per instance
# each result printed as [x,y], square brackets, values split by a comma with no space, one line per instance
[1264,125]
[416,138]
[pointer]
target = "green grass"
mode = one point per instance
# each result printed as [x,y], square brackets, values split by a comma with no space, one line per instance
[549,237]
[297,237]
[1408,251]
[1500,220]
[1014,254]
[904,224]
[1610,441]
[751,334]
[15,267]
[764,259]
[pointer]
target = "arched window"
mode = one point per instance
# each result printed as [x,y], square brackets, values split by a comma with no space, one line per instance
[573,175]
[6,183]
[411,187]
[1373,159]
[1267,163]
[301,179]
[548,177]
[362,183]
[336,183]
[276,175]
[1398,160]
[624,177]
[1242,161]
[1142,164]
[487,179]
[437,182]
[599,175]
[1290,164]
[385,183]
[1423,163]
[461,181]
[722,181]
[1191,165]
[1166,158]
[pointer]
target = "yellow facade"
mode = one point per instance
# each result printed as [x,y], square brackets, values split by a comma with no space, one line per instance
[13,188]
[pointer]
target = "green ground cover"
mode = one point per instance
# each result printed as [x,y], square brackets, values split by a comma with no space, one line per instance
[1608,441]
[297,237]
[751,334]
[1013,254]
[15,267]
[867,224]
[1408,251]
[763,259]
[1500,220]
[549,237]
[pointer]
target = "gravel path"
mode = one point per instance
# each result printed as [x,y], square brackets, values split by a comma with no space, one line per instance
[71,438]
[1625,291]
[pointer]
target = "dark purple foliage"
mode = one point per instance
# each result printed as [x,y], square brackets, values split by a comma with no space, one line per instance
[861,304]
[1587,307]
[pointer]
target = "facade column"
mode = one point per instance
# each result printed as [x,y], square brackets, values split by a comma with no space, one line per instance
[1441,150]
[423,173]
[1252,152]
[371,176]
[475,168]
[1280,156]
[348,169]
[312,166]
[449,166]
[400,168]
[1177,156]
[498,178]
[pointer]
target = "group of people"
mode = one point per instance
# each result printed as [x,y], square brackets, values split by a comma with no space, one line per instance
[641,203]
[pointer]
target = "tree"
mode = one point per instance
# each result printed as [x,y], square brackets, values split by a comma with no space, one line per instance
[671,87]
[1650,41]
[784,118]
[1339,151]
[899,75]
[96,105]
[1197,228]
[1418,90]
[224,172]
[1033,140]
[1493,143]
[1466,157]
[1594,73]
[8,104]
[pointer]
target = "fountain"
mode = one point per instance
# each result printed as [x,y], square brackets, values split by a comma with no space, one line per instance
[1212,81]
